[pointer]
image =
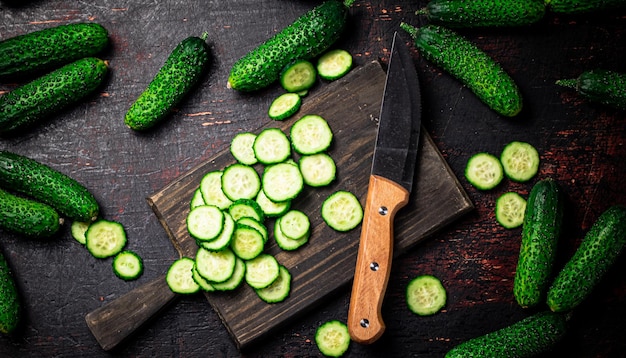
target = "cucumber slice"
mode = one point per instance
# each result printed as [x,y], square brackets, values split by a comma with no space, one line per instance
[520,161]
[332,338]
[284,106]
[246,208]
[255,224]
[127,265]
[261,271]
[425,295]
[205,285]
[205,222]
[241,148]
[179,277]
[105,238]
[240,181]
[298,76]
[334,64]
[286,243]
[247,242]
[211,188]
[295,224]
[317,169]
[510,209]
[311,134]
[484,171]
[282,182]
[215,266]
[271,208]
[272,146]
[235,279]
[342,211]
[279,290]
[78,230]
[196,199]
[223,240]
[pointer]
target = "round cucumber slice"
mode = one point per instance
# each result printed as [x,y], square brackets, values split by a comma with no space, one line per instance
[520,161]
[425,295]
[510,209]
[484,171]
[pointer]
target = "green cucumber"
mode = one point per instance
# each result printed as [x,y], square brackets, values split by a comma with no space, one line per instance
[578,6]
[51,47]
[307,37]
[10,304]
[483,13]
[466,62]
[597,252]
[41,182]
[601,86]
[540,233]
[526,338]
[175,79]
[27,217]
[48,94]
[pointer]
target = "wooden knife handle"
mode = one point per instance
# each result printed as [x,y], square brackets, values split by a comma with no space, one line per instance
[113,322]
[373,265]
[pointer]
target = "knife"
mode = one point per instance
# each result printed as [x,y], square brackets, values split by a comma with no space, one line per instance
[390,183]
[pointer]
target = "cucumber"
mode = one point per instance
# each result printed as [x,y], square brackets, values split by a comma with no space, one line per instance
[282,182]
[510,208]
[51,47]
[174,80]
[317,169]
[243,208]
[48,94]
[579,7]
[540,233]
[597,252]
[483,13]
[105,238]
[484,171]
[528,337]
[10,303]
[271,208]
[601,86]
[179,277]
[311,134]
[295,225]
[332,338]
[247,242]
[262,271]
[215,266]
[78,230]
[234,280]
[224,239]
[284,106]
[305,38]
[342,211]
[41,182]
[470,65]
[286,243]
[334,64]
[211,190]
[279,290]
[271,146]
[425,295]
[205,222]
[27,217]
[241,148]
[520,161]
[299,75]
[127,265]
[240,181]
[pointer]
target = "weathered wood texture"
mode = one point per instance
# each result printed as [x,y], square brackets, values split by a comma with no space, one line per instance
[581,145]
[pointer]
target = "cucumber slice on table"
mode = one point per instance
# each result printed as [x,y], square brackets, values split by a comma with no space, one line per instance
[105,238]
[240,181]
[127,265]
[241,148]
[510,208]
[271,146]
[425,295]
[282,182]
[311,134]
[247,242]
[279,290]
[234,280]
[484,171]
[286,243]
[295,224]
[261,271]
[520,161]
[78,230]
[215,266]
[332,338]
[342,211]
[317,169]
[211,189]
[271,208]
[246,208]
[284,106]
[205,222]
[298,76]
[334,64]
[179,276]
[223,240]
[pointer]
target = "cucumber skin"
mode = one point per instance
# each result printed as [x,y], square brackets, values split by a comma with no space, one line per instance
[305,38]
[470,65]
[180,72]
[581,6]
[484,13]
[27,217]
[526,338]
[50,93]
[601,86]
[10,304]
[47,185]
[48,48]
[597,252]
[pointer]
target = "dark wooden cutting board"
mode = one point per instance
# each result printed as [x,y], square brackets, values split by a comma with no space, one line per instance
[326,263]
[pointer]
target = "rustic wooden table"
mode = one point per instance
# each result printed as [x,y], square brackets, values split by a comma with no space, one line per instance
[581,145]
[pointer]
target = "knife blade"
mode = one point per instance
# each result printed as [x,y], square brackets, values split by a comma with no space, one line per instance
[390,184]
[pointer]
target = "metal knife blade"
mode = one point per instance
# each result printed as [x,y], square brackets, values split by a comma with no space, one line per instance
[390,183]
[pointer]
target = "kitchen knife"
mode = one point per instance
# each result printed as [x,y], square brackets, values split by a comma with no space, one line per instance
[390,183]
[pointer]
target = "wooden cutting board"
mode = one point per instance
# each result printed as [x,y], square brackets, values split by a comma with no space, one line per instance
[326,263]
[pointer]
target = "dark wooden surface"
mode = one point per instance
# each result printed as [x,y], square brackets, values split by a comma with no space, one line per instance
[581,145]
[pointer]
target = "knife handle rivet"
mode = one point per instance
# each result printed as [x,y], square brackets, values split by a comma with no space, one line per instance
[383,210]
[374,266]
[364,323]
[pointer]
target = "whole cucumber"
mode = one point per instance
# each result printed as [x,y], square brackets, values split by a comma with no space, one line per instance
[181,71]
[10,304]
[35,100]
[601,86]
[526,338]
[597,252]
[307,37]
[483,13]
[51,47]
[27,217]
[582,6]
[540,233]
[42,183]
[470,65]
